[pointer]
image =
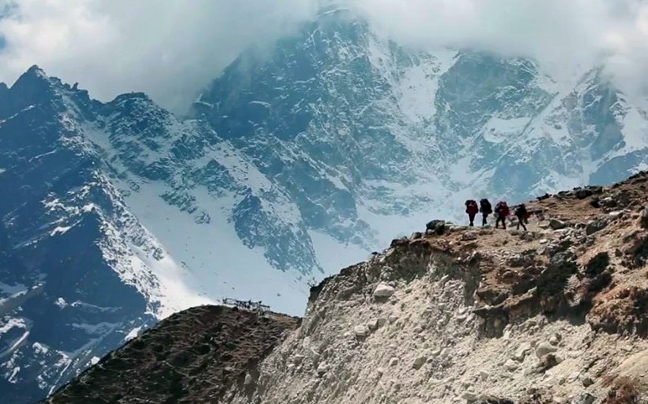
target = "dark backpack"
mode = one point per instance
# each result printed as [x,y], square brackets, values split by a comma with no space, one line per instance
[471,205]
[485,206]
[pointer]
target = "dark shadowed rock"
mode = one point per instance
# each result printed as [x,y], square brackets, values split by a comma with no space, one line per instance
[191,356]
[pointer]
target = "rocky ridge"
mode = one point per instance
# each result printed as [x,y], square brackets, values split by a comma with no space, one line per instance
[172,363]
[555,314]
[552,315]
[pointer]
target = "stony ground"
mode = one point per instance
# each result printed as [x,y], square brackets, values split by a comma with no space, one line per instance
[192,357]
[553,315]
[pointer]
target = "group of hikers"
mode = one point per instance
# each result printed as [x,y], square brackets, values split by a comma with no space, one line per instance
[501,212]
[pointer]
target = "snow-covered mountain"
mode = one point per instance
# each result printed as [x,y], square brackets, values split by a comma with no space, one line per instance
[291,164]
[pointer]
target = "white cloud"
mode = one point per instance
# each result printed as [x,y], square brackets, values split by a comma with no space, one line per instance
[167,48]
[171,49]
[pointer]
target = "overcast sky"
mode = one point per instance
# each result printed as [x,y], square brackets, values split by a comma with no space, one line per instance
[172,48]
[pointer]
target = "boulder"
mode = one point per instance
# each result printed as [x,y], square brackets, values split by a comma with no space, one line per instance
[469,236]
[419,362]
[544,348]
[510,365]
[399,242]
[584,398]
[556,224]
[416,235]
[361,331]
[383,291]
[594,226]
[555,339]
[373,324]
[432,225]
[583,193]
[521,353]
[643,220]
[469,396]
[248,380]
[608,202]
[322,369]
[587,381]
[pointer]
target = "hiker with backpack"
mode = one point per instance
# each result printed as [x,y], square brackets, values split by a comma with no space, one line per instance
[502,211]
[472,210]
[486,209]
[522,216]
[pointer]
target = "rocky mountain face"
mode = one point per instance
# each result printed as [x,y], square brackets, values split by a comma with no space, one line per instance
[555,314]
[291,164]
[77,268]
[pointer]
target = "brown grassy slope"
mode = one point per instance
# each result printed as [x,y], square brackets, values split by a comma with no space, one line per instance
[191,357]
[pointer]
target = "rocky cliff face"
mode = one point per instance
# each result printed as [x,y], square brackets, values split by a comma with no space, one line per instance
[555,314]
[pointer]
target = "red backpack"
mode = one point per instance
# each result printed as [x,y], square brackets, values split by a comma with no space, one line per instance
[471,207]
[502,208]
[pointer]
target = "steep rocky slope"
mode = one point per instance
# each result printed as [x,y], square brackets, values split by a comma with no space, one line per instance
[192,356]
[556,314]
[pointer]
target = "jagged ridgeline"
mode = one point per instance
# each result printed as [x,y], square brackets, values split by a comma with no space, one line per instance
[556,314]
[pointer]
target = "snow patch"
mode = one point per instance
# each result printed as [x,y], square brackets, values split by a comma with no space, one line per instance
[61,303]
[499,130]
[59,230]
[40,349]
[335,255]
[132,334]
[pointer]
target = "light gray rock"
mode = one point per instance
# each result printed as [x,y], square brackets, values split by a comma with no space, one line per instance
[419,362]
[360,331]
[521,353]
[248,380]
[557,224]
[573,377]
[584,398]
[383,291]
[469,396]
[322,369]
[393,318]
[393,362]
[543,349]
[373,324]
[510,365]
[555,339]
